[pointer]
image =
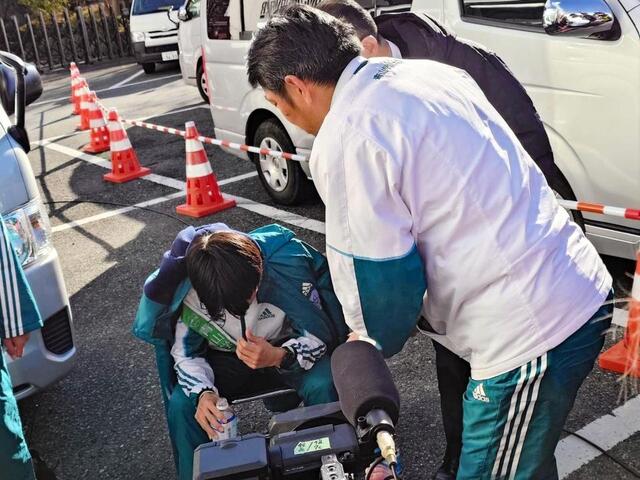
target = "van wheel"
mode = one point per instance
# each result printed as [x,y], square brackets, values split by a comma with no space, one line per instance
[149,67]
[283,179]
[562,190]
[202,83]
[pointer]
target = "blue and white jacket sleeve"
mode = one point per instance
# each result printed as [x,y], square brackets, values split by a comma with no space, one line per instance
[19,312]
[377,271]
[193,372]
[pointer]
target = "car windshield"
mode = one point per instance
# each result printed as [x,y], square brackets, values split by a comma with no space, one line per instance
[140,7]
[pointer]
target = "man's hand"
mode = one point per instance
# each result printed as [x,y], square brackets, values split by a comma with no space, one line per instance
[256,352]
[15,345]
[208,416]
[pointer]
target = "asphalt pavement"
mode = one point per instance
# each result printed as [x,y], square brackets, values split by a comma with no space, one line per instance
[105,420]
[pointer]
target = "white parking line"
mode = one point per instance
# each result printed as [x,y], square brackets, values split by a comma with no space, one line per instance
[255,207]
[127,80]
[155,201]
[108,89]
[606,432]
[113,213]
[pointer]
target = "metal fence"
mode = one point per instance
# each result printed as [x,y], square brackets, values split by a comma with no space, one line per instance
[84,35]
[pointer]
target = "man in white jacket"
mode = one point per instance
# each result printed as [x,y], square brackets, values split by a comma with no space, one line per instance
[425,184]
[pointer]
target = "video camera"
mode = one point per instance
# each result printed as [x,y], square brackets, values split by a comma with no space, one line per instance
[335,441]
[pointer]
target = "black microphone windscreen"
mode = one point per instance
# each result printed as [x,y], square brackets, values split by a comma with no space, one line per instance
[363,381]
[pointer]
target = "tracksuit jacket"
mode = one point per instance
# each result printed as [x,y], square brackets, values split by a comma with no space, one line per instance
[290,266]
[18,315]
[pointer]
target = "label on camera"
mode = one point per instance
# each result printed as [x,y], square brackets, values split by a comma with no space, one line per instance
[312,446]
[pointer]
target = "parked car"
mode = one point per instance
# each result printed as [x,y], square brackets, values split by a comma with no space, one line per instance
[190,47]
[154,36]
[578,59]
[50,352]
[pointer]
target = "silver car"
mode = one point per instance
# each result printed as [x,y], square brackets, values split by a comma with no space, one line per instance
[50,352]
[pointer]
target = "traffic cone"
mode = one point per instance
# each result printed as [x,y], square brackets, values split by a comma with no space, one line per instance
[99,136]
[84,108]
[624,356]
[76,92]
[124,161]
[76,83]
[203,193]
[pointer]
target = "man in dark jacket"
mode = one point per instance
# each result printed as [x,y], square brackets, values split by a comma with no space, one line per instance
[418,36]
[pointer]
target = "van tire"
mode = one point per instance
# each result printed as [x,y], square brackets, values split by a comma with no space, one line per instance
[149,67]
[295,186]
[200,83]
[562,189]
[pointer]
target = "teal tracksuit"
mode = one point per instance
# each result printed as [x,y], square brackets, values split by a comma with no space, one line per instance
[18,315]
[288,265]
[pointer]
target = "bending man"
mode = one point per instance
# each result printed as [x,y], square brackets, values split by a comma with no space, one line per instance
[425,183]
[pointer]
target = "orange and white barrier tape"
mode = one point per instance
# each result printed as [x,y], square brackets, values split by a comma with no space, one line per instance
[214,141]
[630,213]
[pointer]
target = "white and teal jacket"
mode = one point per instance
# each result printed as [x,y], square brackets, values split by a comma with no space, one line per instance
[425,183]
[195,374]
[295,279]
[19,312]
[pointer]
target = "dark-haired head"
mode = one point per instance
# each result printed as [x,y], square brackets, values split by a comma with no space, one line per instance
[352,13]
[297,58]
[225,270]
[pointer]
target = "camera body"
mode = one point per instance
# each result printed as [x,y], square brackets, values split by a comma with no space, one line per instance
[300,444]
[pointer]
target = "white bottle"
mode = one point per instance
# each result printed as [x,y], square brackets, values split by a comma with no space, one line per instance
[230,425]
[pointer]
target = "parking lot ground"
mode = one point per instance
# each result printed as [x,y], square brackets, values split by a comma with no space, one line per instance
[105,420]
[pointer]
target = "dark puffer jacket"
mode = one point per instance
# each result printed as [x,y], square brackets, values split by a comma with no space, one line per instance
[419,36]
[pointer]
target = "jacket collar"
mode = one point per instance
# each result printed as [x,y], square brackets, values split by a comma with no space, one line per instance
[352,68]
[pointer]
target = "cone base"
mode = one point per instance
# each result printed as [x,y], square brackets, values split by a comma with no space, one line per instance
[91,149]
[126,177]
[204,210]
[615,360]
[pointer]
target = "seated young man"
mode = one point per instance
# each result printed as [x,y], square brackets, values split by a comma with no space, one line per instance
[218,284]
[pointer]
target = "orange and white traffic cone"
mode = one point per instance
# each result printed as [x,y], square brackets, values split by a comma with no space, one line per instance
[76,84]
[203,193]
[84,108]
[624,356]
[124,161]
[99,135]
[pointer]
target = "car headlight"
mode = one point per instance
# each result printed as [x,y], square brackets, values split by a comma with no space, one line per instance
[137,37]
[29,231]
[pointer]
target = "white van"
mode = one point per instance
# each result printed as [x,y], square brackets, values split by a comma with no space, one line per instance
[585,87]
[240,113]
[190,47]
[153,35]
[50,353]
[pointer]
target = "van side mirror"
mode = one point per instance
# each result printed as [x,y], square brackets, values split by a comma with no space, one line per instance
[14,80]
[125,12]
[577,18]
[183,14]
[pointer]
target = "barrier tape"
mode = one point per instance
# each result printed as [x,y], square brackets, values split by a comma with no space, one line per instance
[629,213]
[213,141]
